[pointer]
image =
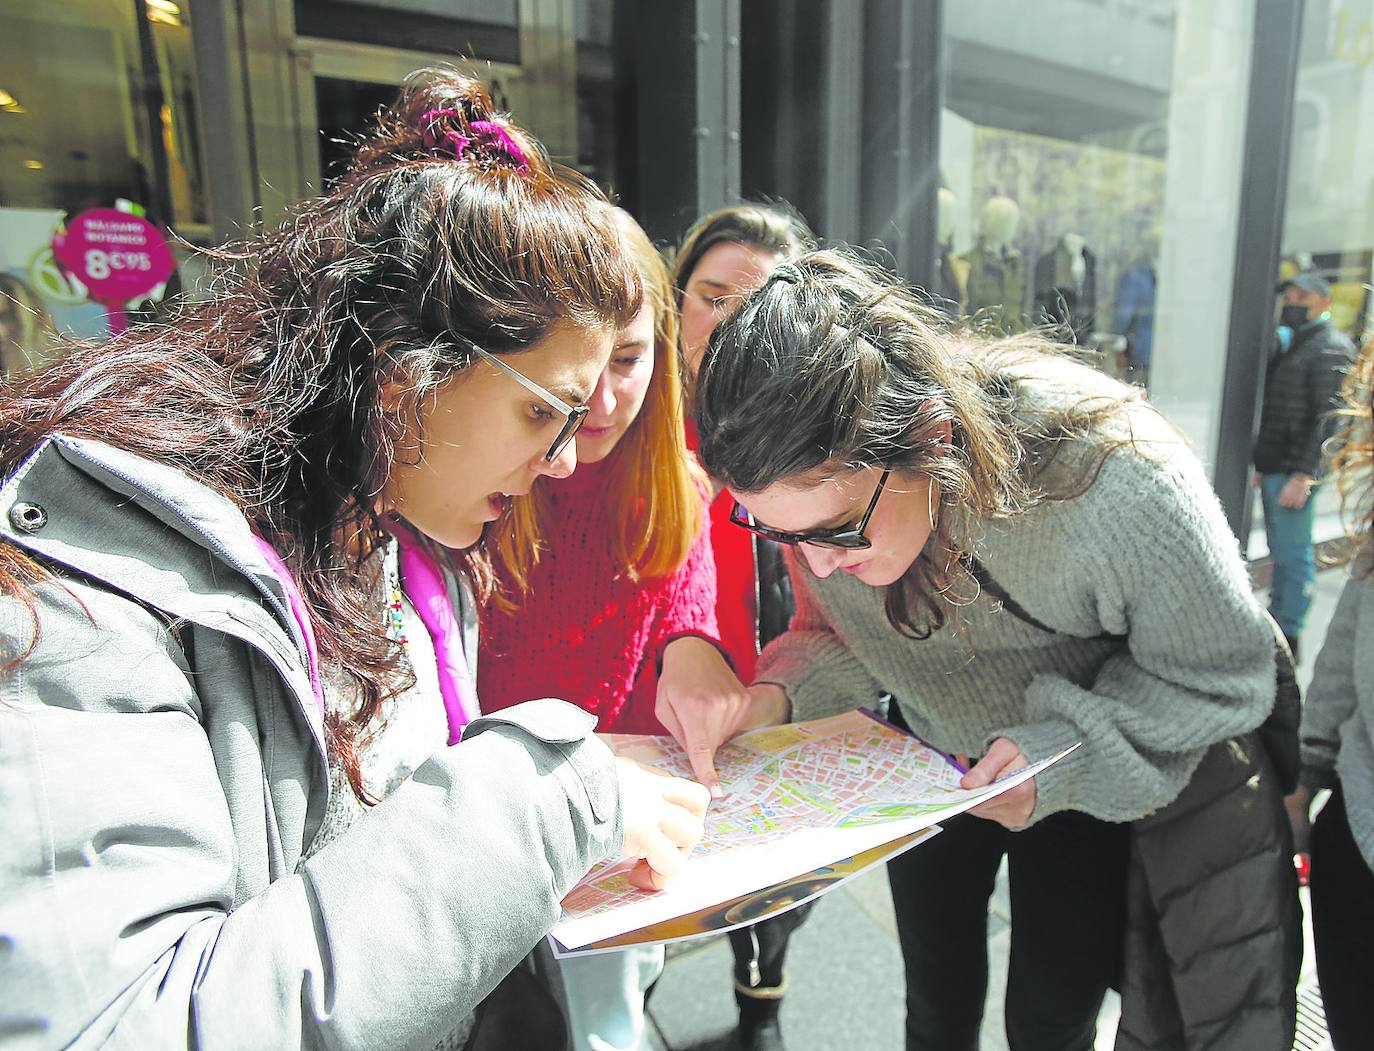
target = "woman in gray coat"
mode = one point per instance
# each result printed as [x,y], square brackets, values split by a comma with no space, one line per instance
[236,613]
[1338,752]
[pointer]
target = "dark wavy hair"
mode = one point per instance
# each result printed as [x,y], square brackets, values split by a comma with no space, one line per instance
[835,363]
[269,391]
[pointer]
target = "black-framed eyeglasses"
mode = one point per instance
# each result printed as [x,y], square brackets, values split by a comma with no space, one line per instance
[848,537]
[576,414]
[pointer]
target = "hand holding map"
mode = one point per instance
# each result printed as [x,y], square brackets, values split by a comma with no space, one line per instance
[800,797]
[1013,808]
[662,821]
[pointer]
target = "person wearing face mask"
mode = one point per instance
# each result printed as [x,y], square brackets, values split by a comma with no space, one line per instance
[1302,388]
[1338,746]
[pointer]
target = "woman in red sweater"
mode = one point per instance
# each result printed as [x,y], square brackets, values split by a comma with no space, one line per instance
[725,256]
[610,595]
[607,576]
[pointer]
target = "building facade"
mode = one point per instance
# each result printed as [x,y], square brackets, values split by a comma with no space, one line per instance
[1133,173]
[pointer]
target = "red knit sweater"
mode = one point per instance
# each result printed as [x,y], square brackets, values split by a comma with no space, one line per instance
[585,631]
[736,589]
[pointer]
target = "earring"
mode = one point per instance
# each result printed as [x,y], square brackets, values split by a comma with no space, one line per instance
[930,502]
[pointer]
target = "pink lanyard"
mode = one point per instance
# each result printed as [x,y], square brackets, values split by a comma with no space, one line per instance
[423,583]
[298,611]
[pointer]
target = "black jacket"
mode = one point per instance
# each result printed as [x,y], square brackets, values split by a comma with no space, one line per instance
[1213,924]
[1302,386]
[775,602]
[1213,932]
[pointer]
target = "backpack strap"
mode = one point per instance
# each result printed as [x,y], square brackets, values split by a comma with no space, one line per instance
[989,585]
[1278,732]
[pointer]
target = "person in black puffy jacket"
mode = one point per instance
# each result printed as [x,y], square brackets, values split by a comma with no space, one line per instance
[1302,387]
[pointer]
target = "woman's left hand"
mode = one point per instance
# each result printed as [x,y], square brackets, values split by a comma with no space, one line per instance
[1013,807]
[696,678]
[1299,807]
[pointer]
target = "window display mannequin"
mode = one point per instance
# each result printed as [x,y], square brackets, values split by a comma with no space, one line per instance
[996,284]
[1134,316]
[1066,289]
[949,280]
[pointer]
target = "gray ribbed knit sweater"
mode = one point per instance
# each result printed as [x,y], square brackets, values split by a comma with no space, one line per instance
[1145,552]
[1338,716]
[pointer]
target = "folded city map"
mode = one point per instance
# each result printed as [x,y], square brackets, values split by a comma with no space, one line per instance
[807,806]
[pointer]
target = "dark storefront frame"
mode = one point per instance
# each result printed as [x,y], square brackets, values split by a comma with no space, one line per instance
[863,171]
[834,106]
[1264,195]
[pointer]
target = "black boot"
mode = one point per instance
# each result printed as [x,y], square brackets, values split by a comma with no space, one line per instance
[759,985]
[759,953]
[759,1029]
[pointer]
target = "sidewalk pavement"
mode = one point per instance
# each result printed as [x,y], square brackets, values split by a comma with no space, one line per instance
[845,967]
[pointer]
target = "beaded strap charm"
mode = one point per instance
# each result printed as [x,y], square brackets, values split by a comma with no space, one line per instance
[396,609]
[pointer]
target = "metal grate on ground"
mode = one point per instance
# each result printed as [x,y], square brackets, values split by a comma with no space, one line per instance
[1311,1019]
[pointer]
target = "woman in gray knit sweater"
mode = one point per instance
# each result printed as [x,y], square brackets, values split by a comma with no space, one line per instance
[1338,752]
[1024,555]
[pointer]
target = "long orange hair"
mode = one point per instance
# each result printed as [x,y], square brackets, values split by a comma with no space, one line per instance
[655,490]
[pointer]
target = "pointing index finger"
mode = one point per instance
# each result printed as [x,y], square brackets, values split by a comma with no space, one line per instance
[702,758]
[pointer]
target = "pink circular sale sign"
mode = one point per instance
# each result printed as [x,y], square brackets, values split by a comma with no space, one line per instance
[120,258]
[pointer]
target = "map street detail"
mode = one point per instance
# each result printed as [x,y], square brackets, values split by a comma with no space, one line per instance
[803,803]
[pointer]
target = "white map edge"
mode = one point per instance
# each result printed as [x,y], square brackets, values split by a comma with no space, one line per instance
[668,904]
[561,953]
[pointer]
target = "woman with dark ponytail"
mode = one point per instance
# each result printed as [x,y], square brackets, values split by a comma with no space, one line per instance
[240,567]
[1025,556]
[725,255]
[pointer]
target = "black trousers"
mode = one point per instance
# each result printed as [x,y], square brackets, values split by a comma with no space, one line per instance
[1343,928]
[1068,882]
[761,948]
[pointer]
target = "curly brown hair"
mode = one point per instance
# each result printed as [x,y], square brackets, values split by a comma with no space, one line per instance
[439,235]
[840,365]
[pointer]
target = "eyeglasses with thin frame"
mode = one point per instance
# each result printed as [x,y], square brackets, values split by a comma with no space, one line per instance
[576,414]
[849,538]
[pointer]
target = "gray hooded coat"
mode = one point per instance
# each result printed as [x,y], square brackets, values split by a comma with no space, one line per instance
[162,770]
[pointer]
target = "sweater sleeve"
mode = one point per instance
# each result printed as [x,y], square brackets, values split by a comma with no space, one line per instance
[1160,566]
[811,663]
[1331,698]
[1325,374]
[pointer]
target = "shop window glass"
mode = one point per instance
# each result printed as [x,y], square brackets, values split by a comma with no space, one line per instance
[1090,166]
[474,28]
[529,57]
[1329,218]
[90,114]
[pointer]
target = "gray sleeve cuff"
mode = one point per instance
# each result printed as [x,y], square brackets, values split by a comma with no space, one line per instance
[1318,770]
[1053,787]
[569,730]
[820,676]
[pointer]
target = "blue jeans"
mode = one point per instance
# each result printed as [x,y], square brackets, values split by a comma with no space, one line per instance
[1289,532]
[606,997]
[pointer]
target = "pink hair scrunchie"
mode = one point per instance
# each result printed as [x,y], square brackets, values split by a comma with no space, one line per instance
[486,134]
